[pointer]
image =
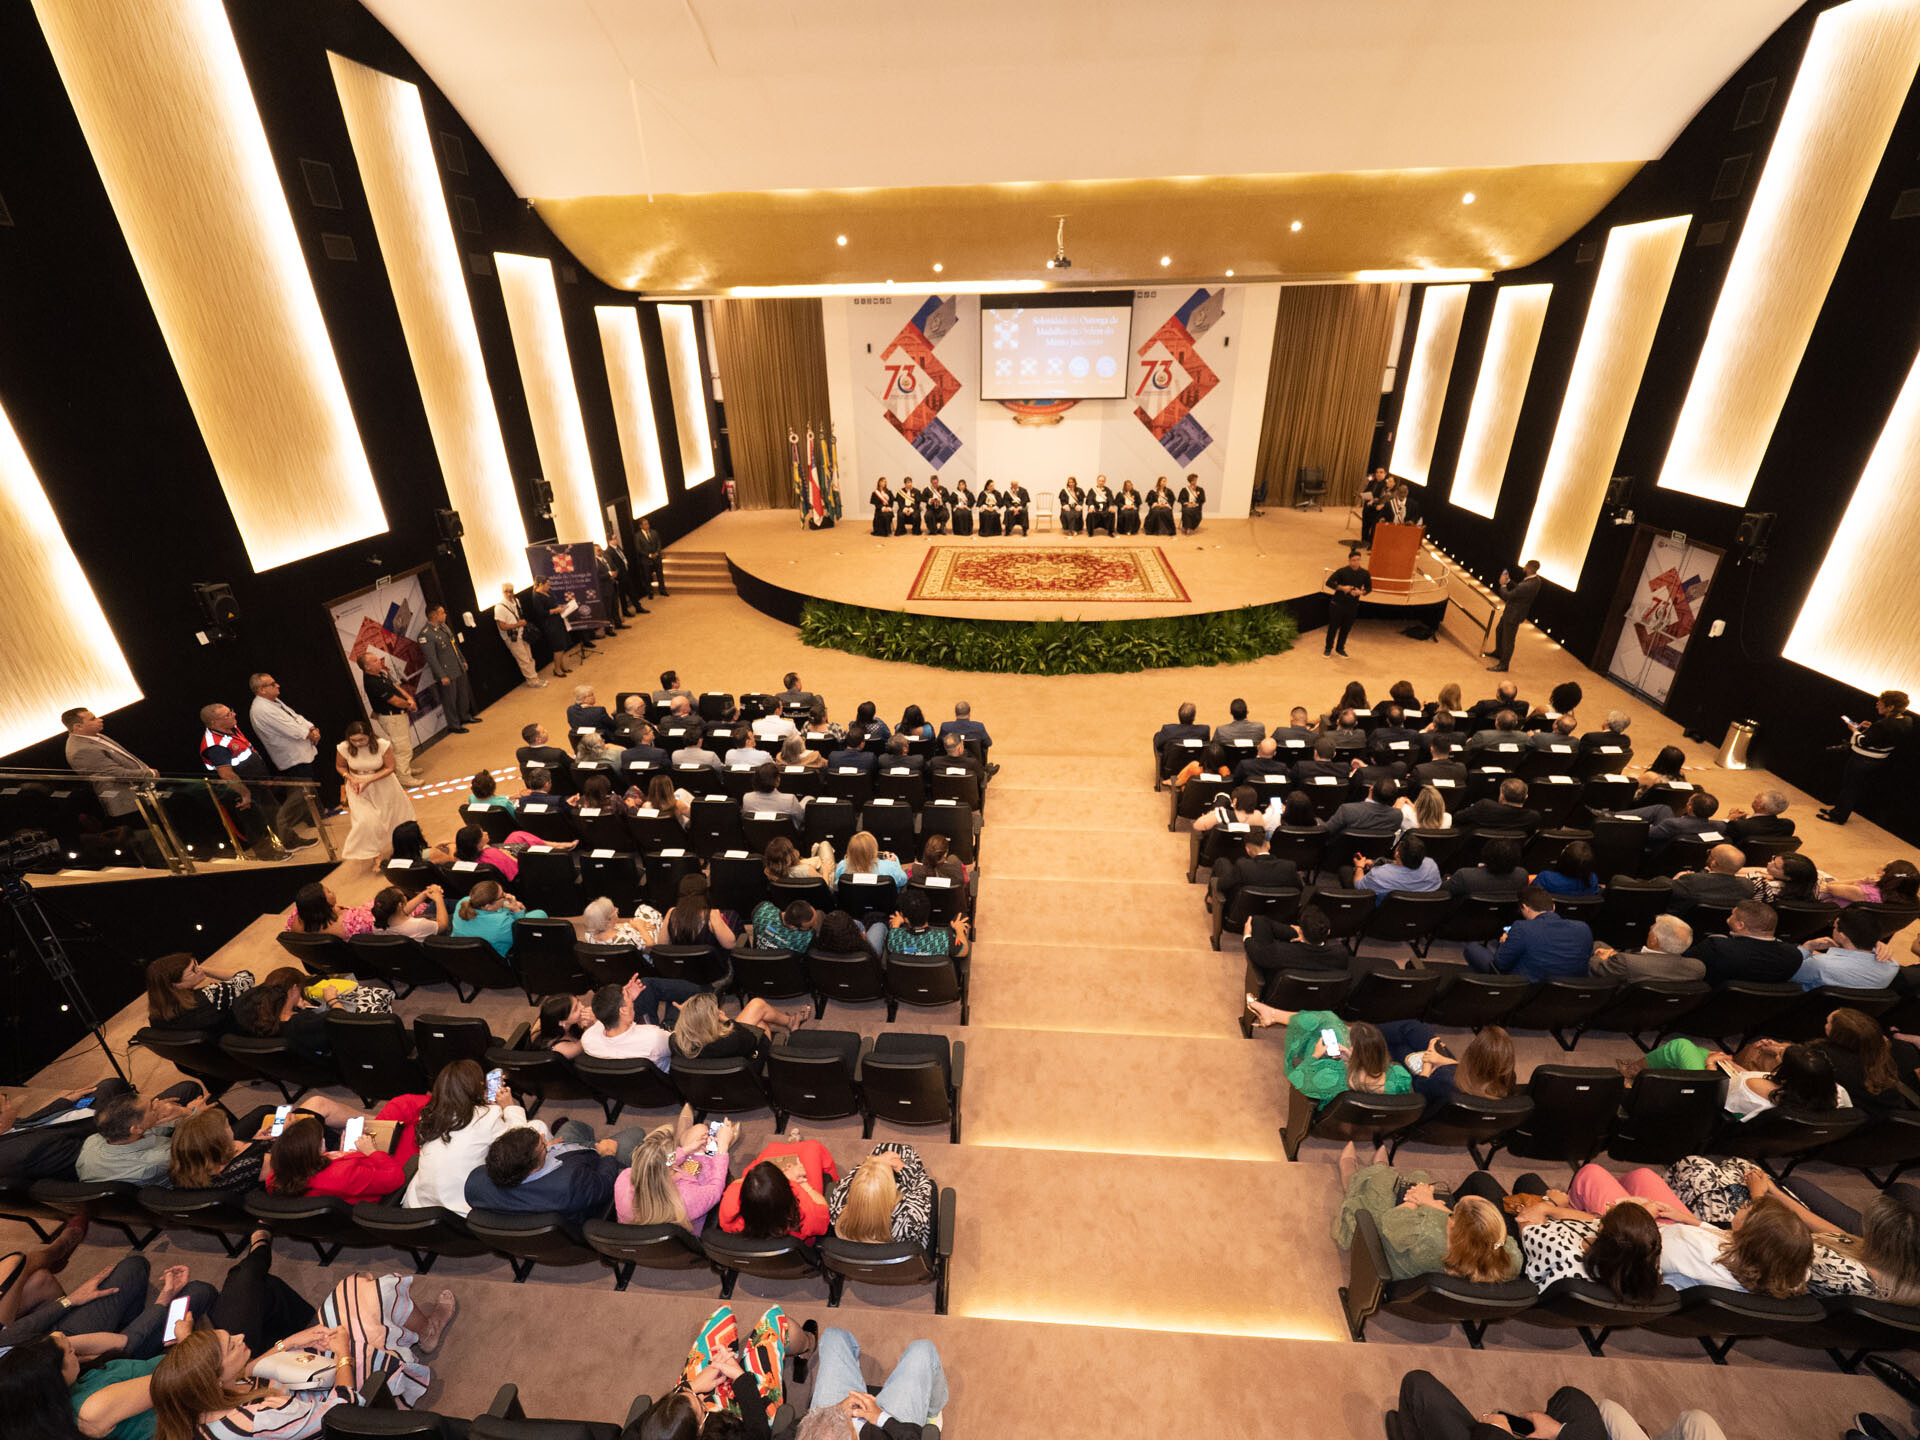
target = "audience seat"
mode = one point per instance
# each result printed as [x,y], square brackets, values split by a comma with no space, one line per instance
[1467,1121]
[1470,1000]
[646,1247]
[470,964]
[1303,847]
[699,963]
[458,877]
[898,1263]
[1890,1142]
[959,823]
[775,975]
[543,958]
[1645,1010]
[946,899]
[1573,1112]
[1778,1139]
[863,895]
[410,877]
[112,1203]
[730,1086]
[847,978]
[288,1070]
[1347,911]
[617,1084]
[1718,1318]
[914,1079]
[609,964]
[529,1238]
[618,877]
[1595,1311]
[497,822]
[197,1055]
[1405,916]
[425,1232]
[664,871]
[891,823]
[396,959]
[1808,1019]
[439,1040]
[373,1057]
[1855,1326]
[321,955]
[1628,905]
[1279,904]
[218,1212]
[1804,920]
[780,1257]
[929,980]
[1481,917]
[1384,995]
[1565,1004]
[326,1222]
[1741,1009]
[814,1074]
[1759,849]
[1619,841]
[833,818]
[1351,1115]
[1299,990]
[1667,1114]
[555,827]
[549,880]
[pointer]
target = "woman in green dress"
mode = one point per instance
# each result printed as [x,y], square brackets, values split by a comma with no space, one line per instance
[1357,1058]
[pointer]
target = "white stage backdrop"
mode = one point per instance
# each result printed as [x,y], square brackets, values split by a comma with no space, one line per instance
[914,363]
[389,619]
[916,383]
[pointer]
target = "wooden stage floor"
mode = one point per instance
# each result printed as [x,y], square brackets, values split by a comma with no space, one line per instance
[1225,565]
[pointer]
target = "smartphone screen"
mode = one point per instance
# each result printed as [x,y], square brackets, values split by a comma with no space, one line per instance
[280,1115]
[495,1079]
[350,1137]
[1331,1039]
[1519,1424]
[176,1312]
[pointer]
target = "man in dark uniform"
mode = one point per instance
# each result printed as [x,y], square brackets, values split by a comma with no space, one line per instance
[1868,749]
[1348,584]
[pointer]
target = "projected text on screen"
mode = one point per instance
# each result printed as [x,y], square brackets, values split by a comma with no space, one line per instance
[1054,353]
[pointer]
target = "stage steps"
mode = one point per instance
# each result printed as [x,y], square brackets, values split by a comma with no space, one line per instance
[698,572]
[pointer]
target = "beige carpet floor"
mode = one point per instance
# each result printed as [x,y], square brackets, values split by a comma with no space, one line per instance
[1135,1255]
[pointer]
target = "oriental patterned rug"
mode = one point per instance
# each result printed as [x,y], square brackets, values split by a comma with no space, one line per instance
[1105,575]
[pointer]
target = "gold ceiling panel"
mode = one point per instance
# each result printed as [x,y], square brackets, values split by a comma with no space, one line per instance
[1117,230]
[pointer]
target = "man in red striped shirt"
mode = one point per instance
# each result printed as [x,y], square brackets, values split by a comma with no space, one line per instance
[230,755]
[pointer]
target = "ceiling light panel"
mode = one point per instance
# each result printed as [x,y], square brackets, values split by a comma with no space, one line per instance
[546,375]
[678,331]
[1441,309]
[633,414]
[1514,335]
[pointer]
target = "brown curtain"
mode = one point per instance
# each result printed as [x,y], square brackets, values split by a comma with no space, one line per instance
[1323,392]
[773,375]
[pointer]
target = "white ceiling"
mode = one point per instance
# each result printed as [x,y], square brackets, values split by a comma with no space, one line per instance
[613,97]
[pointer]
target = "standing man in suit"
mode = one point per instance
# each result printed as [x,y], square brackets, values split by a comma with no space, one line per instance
[393,709]
[448,667]
[291,742]
[652,573]
[513,634]
[1518,598]
[90,752]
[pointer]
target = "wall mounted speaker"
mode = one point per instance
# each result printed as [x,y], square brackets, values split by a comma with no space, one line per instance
[218,608]
[449,523]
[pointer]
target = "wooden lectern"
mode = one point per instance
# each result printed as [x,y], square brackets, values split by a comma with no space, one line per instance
[1396,548]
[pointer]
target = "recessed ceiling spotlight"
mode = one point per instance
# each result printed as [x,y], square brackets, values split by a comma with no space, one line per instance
[840,240]
[1229,274]
[938,267]
[1295,227]
[1467,199]
[1166,259]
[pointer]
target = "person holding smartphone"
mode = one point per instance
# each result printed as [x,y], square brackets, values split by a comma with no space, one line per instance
[460,1121]
[1326,1056]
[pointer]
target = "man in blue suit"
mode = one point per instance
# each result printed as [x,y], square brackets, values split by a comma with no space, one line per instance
[967,728]
[526,1171]
[1541,945]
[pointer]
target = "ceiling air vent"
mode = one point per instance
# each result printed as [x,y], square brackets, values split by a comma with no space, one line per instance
[1905,206]
[1588,252]
[453,153]
[1714,232]
[322,189]
[1732,177]
[339,247]
[468,210]
[1753,104]
[479,262]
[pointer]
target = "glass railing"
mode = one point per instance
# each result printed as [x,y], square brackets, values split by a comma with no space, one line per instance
[55,821]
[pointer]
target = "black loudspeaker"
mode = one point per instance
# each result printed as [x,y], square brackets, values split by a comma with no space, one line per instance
[542,495]
[218,608]
[449,522]
[1750,540]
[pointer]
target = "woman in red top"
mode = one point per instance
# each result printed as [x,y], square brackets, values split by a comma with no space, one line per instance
[782,1193]
[301,1164]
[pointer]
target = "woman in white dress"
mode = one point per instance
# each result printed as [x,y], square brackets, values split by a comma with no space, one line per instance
[376,801]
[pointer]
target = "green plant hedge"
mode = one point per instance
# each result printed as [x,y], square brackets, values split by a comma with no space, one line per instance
[1050,647]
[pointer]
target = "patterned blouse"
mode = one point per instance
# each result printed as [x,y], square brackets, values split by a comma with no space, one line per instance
[1557,1249]
[1716,1191]
[913,1214]
[904,940]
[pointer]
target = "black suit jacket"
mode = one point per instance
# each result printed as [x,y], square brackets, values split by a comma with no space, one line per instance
[643,755]
[547,755]
[1594,739]
[579,717]
[1307,769]
[1757,826]
[1254,768]
[1480,714]
[1270,871]
[1496,815]
[1742,957]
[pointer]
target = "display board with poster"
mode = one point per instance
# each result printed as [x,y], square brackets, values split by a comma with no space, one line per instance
[578,596]
[388,618]
[1660,615]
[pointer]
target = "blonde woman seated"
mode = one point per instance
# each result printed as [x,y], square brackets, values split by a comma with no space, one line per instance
[673,1179]
[888,1198]
[864,857]
[1419,1232]
[1357,1059]
[1425,811]
[703,1031]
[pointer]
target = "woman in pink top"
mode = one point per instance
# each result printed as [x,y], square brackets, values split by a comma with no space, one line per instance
[1897,884]
[316,912]
[673,1180]
[471,844]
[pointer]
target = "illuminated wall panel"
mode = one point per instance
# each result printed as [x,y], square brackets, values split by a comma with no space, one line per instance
[632,406]
[1518,313]
[1861,620]
[55,649]
[1853,79]
[402,179]
[546,374]
[1628,296]
[678,333]
[1440,314]
[163,101]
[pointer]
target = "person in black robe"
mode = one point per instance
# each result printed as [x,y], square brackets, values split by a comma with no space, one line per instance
[1160,508]
[962,509]
[1018,508]
[1073,508]
[992,506]
[882,508]
[1373,502]
[1126,506]
[1099,507]
[906,507]
[938,508]
[1193,499]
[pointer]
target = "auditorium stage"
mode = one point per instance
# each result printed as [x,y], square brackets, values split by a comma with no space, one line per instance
[1284,556]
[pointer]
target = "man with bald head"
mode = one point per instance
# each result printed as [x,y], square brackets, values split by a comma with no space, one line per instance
[1718,885]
